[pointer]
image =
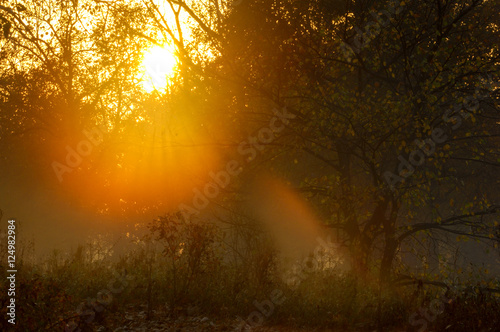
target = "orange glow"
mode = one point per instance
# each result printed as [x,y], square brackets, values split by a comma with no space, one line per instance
[287,216]
[153,167]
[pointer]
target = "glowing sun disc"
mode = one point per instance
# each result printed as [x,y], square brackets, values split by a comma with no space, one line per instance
[160,64]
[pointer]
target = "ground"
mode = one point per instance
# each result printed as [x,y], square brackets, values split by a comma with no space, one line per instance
[134,319]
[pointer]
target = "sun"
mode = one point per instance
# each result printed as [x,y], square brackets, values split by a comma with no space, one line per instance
[159,64]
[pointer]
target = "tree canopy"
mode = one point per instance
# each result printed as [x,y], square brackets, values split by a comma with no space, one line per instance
[395,107]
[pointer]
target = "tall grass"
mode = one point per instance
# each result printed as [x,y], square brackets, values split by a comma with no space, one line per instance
[186,268]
